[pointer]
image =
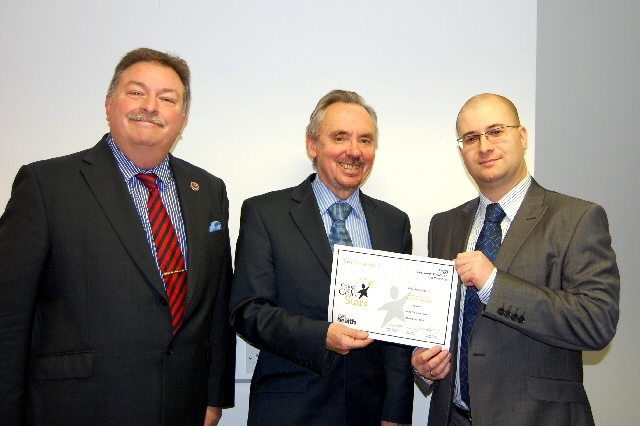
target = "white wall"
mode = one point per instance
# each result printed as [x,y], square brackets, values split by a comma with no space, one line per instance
[258,70]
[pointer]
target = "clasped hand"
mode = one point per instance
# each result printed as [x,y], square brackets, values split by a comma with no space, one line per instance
[433,363]
[474,269]
[342,339]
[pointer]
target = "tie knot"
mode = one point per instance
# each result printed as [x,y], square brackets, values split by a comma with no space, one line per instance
[148,179]
[494,213]
[339,211]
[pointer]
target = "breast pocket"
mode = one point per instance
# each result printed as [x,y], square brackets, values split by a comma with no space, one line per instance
[216,241]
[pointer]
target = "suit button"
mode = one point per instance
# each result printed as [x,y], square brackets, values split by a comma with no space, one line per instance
[514,317]
[163,302]
[500,311]
[169,350]
[507,313]
[521,319]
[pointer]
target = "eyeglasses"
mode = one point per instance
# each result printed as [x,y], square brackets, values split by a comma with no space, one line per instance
[493,134]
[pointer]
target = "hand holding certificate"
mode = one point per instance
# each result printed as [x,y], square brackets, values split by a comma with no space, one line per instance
[395,297]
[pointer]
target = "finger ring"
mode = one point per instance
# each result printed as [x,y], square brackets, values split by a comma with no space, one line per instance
[431,372]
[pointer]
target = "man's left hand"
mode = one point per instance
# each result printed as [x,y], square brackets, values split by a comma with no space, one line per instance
[473,268]
[212,417]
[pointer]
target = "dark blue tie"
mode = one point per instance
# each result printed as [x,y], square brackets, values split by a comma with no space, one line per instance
[338,233]
[489,242]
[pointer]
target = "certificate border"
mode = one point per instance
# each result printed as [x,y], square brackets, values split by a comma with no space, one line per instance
[453,287]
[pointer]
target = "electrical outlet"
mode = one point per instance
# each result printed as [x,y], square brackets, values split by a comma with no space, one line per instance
[251,358]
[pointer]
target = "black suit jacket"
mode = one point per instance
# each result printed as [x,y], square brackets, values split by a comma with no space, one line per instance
[556,294]
[280,301]
[85,327]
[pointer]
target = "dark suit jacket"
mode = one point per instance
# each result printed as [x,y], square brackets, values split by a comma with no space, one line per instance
[556,294]
[279,303]
[85,327]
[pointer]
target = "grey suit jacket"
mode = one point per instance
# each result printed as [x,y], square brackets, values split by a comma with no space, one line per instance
[279,303]
[556,294]
[85,327]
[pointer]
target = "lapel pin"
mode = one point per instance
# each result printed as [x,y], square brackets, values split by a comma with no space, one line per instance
[195,186]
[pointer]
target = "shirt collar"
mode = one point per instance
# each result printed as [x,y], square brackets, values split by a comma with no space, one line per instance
[130,170]
[512,200]
[326,198]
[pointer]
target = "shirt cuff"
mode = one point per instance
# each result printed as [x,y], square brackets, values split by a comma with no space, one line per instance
[485,293]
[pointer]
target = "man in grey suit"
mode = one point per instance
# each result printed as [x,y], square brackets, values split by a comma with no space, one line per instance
[116,270]
[310,371]
[551,292]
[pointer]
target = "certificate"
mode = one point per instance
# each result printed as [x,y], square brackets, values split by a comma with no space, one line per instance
[396,297]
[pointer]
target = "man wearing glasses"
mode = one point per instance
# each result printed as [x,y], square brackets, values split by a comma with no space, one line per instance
[539,284]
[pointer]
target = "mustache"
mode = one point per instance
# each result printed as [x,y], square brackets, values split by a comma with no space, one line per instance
[141,116]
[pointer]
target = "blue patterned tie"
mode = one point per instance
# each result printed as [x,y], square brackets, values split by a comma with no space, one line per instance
[489,242]
[339,234]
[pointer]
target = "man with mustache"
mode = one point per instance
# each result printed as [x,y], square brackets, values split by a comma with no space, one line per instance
[310,371]
[539,284]
[116,272]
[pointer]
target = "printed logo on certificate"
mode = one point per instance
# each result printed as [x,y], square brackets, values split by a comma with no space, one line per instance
[396,297]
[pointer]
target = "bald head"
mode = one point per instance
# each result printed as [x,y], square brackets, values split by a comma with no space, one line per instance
[496,163]
[485,98]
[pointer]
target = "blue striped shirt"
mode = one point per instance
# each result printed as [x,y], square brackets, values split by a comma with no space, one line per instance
[356,222]
[510,203]
[140,195]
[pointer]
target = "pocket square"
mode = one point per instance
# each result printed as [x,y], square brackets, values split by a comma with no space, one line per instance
[215,226]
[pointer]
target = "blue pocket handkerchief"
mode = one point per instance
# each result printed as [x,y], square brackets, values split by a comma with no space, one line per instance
[215,226]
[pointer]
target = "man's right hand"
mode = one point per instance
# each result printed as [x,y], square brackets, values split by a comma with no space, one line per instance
[342,339]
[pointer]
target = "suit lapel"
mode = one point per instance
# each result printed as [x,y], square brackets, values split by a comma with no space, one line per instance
[460,234]
[195,219]
[108,186]
[458,244]
[529,215]
[306,216]
[375,223]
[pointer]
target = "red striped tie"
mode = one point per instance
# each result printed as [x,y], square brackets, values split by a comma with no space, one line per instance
[168,250]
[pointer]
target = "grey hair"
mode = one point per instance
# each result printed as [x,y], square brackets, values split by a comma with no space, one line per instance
[335,96]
